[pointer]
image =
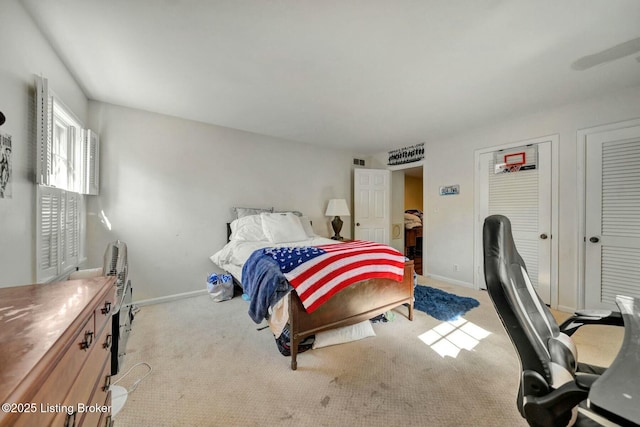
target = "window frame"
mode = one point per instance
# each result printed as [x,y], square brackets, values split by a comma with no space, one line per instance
[67,169]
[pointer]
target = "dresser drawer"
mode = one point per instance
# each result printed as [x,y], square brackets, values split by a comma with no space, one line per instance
[50,395]
[89,378]
[100,401]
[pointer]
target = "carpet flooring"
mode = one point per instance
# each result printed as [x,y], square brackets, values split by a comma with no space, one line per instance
[213,366]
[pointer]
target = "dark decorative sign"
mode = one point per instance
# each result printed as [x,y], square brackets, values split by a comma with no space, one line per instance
[5,166]
[415,153]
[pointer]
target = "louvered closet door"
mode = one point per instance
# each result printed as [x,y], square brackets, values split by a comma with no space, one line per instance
[525,198]
[612,217]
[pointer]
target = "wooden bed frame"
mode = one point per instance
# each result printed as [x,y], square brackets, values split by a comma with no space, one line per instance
[356,303]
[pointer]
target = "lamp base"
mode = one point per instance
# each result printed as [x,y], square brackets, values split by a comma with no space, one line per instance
[337,226]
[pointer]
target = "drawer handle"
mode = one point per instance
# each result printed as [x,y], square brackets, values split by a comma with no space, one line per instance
[107,341]
[107,383]
[88,340]
[107,308]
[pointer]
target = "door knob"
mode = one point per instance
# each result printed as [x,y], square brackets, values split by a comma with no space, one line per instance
[594,239]
[543,236]
[357,224]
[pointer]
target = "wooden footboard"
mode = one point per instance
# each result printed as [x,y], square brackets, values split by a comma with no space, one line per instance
[358,302]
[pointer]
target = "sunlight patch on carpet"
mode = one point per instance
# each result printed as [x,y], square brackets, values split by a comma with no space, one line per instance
[449,338]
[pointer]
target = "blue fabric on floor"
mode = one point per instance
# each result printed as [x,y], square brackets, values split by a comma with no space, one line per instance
[440,304]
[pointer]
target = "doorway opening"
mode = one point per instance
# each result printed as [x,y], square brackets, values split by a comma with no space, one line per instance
[413,216]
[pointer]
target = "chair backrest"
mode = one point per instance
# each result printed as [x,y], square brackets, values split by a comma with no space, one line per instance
[548,357]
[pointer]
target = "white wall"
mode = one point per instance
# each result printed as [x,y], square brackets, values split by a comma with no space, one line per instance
[450,220]
[168,186]
[25,53]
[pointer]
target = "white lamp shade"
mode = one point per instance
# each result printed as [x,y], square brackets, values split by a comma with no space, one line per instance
[337,207]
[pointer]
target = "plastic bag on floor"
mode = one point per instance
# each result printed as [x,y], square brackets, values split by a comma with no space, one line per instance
[220,287]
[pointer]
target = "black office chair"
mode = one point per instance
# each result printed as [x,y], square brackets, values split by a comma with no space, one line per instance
[553,384]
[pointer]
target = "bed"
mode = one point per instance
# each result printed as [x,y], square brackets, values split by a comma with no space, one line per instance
[352,304]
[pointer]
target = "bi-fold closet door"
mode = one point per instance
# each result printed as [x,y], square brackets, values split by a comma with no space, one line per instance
[612,216]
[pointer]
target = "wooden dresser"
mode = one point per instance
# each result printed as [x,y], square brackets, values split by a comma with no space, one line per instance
[55,353]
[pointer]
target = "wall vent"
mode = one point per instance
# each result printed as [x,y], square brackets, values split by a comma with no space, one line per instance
[358,162]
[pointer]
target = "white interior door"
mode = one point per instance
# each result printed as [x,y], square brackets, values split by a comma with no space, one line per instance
[372,208]
[525,198]
[612,216]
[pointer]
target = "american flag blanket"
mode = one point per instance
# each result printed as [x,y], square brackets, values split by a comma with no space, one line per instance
[319,272]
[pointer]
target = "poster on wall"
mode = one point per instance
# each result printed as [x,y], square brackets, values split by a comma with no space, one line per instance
[415,153]
[516,159]
[5,166]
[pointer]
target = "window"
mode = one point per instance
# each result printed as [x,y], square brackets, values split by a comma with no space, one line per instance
[67,153]
[59,232]
[64,150]
[66,169]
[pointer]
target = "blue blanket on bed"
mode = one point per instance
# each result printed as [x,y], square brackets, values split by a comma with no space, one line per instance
[264,283]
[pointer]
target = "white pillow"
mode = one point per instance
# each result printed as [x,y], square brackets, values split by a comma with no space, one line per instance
[282,227]
[247,228]
[345,334]
[306,224]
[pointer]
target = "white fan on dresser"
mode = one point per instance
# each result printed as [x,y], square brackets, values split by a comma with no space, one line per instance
[116,263]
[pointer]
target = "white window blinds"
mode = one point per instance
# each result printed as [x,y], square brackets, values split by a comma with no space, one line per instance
[43,131]
[66,168]
[48,227]
[91,150]
[59,232]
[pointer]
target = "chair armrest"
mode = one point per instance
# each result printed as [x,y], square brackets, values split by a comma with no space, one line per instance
[585,381]
[591,317]
[554,408]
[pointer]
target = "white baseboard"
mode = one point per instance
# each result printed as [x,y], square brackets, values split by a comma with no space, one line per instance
[452,281]
[168,298]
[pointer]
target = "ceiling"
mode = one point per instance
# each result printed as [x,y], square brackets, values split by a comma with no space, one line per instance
[367,75]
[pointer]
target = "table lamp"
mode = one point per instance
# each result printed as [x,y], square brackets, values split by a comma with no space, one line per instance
[336,208]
